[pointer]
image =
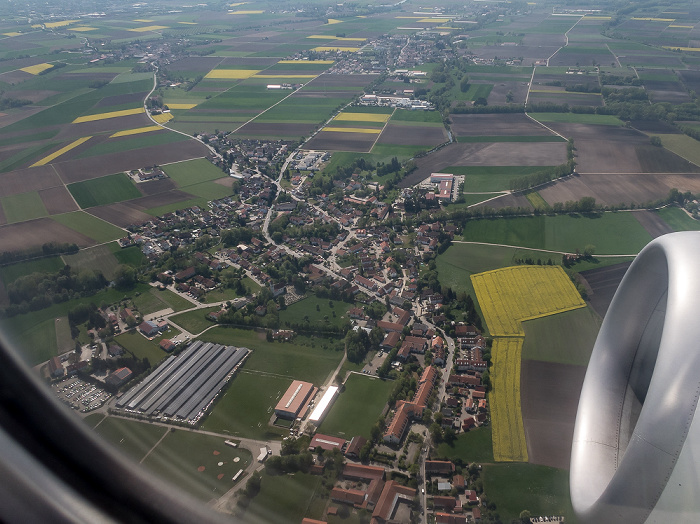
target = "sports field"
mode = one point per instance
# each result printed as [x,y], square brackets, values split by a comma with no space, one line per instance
[357,409]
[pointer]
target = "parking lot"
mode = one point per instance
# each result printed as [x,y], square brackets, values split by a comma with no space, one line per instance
[80,395]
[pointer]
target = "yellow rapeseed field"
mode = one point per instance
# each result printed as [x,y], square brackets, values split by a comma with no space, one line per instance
[246,12]
[181,106]
[353,130]
[82,28]
[58,153]
[508,435]
[148,28]
[302,62]
[362,117]
[162,118]
[649,19]
[36,69]
[231,74]
[136,131]
[689,49]
[287,76]
[333,21]
[111,114]
[507,297]
[63,23]
[144,21]
[510,295]
[322,48]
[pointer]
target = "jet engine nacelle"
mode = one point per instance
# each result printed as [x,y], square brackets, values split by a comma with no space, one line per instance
[636,449]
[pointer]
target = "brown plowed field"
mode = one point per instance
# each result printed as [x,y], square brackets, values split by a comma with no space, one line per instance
[614,189]
[566,98]
[549,399]
[276,129]
[161,199]
[515,124]
[413,135]
[513,200]
[22,113]
[25,180]
[334,141]
[35,95]
[35,233]
[98,166]
[652,223]
[57,200]
[530,53]
[603,283]
[500,92]
[254,62]
[3,218]
[610,149]
[122,214]
[98,76]
[106,125]
[15,77]
[488,154]
[156,186]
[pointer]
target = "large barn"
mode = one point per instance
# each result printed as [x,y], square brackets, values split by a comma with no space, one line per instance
[295,400]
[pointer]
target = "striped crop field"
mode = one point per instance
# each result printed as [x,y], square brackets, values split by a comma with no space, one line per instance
[364,130]
[111,114]
[231,74]
[58,153]
[148,28]
[136,131]
[508,435]
[36,69]
[362,117]
[510,295]
[286,76]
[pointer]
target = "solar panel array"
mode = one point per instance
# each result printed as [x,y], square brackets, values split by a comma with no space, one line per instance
[184,385]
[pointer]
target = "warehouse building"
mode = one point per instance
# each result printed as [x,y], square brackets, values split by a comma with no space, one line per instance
[184,386]
[295,400]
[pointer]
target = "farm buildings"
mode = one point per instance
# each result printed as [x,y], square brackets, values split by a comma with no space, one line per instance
[183,386]
[295,400]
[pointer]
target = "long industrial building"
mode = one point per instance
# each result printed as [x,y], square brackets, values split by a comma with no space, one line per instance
[183,386]
[296,400]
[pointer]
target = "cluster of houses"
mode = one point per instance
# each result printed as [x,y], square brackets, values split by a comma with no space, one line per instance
[451,509]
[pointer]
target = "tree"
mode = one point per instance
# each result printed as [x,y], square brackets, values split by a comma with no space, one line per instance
[124,276]
[525,516]
[655,141]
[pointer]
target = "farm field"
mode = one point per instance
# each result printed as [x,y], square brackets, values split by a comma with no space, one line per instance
[504,399]
[221,294]
[357,409]
[539,489]
[98,230]
[318,311]
[577,118]
[610,233]
[565,338]
[683,146]
[21,207]
[192,172]
[195,321]
[511,295]
[490,178]
[104,190]
[155,299]
[99,258]
[191,461]
[12,272]
[678,219]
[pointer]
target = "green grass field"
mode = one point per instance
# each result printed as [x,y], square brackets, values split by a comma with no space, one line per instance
[24,206]
[539,489]
[318,312]
[490,178]
[303,359]
[577,118]
[357,409]
[132,438]
[158,299]
[210,190]
[136,343]
[93,227]
[221,293]
[131,255]
[119,145]
[98,257]
[610,233]
[180,457]
[282,498]
[678,219]
[247,406]
[474,446]
[405,115]
[195,321]
[42,265]
[565,338]
[104,190]
[683,146]
[193,172]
